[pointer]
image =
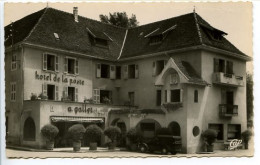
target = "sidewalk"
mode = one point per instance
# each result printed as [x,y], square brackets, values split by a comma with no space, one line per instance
[67,149]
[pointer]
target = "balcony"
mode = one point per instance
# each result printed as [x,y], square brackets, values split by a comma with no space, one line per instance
[228,110]
[227,79]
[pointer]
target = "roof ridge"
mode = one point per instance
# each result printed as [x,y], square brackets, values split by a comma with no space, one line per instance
[90,19]
[198,28]
[37,23]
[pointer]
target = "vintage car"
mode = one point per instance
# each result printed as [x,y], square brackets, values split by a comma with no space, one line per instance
[165,144]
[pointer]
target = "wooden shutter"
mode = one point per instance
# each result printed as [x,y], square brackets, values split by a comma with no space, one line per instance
[136,71]
[181,95]
[44,61]
[76,66]
[216,65]
[44,89]
[112,71]
[96,95]
[154,68]
[56,63]
[76,94]
[65,65]
[98,72]
[56,92]
[65,92]
[125,71]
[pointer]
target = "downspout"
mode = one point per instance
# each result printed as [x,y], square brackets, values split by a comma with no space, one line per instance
[22,90]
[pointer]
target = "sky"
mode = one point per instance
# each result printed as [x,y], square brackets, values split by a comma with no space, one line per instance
[233,18]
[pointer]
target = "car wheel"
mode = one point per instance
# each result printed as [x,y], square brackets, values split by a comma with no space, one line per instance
[143,148]
[165,151]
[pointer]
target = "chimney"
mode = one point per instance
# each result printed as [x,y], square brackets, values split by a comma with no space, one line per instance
[75,13]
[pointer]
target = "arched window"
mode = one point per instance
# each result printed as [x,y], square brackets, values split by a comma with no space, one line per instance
[175,127]
[196,95]
[29,130]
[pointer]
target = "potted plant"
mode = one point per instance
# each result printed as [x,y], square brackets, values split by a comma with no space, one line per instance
[90,100]
[93,134]
[76,133]
[113,133]
[134,136]
[43,96]
[34,96]
[49,131]
[209,137]
[246,136]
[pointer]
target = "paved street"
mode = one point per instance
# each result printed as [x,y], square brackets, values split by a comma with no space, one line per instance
[65,153]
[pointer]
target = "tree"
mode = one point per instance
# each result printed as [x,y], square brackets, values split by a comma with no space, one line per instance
[249,98]
[119,19]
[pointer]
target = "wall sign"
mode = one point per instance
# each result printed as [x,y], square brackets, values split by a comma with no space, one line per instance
[88,110]
[53,77]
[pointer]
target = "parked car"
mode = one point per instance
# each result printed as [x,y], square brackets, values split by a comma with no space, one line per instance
[166,144]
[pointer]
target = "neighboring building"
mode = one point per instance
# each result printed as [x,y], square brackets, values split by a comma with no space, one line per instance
[180,73]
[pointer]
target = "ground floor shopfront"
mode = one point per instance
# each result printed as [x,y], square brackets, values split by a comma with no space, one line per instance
[38,113]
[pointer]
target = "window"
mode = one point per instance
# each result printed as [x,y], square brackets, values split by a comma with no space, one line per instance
[105,71]
[118,72]
[72,93]
[234,131]
[158,97]
[105,96]
[13,62]
[51,92]
[176,95]
[131,96]
[13,91]
[131,71]
[71,65]
[196,95]
[101,42]
[219,129]
[223,66]
[50,62]
[158,66]
[29,130]
[174,78]
[154,40]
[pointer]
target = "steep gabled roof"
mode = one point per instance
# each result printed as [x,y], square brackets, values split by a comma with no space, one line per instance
[178,32]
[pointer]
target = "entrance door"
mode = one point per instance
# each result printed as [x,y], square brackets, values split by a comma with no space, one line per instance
[229,102]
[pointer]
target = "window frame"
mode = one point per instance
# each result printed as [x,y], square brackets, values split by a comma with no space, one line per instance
[13,62]
[158,97]
[180,95]
[196,96]
[237,132]
[13,91]
[219,124]
[76,65]
[56,62]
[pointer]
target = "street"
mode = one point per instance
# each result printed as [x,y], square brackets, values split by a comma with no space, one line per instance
[85,153]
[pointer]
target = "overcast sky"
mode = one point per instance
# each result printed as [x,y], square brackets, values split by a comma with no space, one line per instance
[233,18]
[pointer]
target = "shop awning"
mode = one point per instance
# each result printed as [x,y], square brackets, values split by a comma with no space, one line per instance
[77,119]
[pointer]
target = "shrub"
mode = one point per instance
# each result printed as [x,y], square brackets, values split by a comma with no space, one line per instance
[164,131]
[43,96]
[93,133]
[76,132]
[113,133]
[210,136]
[34,96]
[134,135]
[49,131]
[246,135]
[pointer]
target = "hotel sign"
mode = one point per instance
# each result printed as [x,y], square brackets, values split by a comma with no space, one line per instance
[88,110]
[55,78]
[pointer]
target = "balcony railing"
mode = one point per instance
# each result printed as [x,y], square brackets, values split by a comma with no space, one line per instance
[227,79]
[228,110]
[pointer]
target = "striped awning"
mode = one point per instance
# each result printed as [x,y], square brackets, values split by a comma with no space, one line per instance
[77,119]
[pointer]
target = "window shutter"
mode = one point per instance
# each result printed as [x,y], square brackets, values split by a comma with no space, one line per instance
[136,71]
[125,71]
[44,61]
[76,66]
[57,63]
[154,68]
[112,71]
[65,92]
[216,65]
[76,94]
[65,65]
[181,95]
[96,95]
[57,92]
[44,89]
[98,66]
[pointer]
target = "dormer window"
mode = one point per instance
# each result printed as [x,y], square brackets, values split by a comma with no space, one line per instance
[99,39]
[213,33]
[154,40]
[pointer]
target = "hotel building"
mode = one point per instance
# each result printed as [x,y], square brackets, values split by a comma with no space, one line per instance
[180,73]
